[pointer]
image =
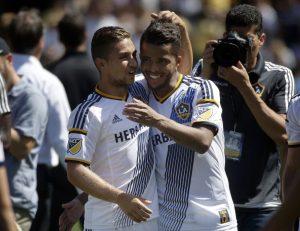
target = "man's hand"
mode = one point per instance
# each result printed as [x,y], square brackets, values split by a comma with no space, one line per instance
[72,213]
[140,112]
[236,75]
[134,207]
[169,16]
[208,59]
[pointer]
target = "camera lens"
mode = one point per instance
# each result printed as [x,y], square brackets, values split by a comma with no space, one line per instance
[226,54]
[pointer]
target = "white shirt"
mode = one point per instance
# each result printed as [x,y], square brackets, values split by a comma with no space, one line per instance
[55,140]
[116,149]
[193,189]
[293,121]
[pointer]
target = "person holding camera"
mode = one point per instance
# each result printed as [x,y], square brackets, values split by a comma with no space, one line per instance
[254,97]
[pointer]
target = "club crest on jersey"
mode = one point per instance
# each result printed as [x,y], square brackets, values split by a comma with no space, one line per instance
[258,88]
[204,112]
[74,145]
[183,110]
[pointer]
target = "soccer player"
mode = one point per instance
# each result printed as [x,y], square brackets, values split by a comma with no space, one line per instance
[187,137]
[120,179]
[290,208]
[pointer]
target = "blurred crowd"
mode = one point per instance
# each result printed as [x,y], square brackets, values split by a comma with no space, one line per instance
[204,17]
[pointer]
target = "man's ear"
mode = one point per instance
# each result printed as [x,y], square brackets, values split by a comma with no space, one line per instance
[262,39]
[9,58]
[178,61]
[100,63]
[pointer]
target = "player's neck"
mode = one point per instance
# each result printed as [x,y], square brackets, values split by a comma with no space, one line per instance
[108,89]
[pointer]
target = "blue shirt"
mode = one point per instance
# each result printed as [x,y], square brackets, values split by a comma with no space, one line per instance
[29,117]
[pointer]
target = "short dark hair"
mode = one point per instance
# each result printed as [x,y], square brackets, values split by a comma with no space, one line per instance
[104,38]
[25,31]
[244,15]
[71,29]
[161,32]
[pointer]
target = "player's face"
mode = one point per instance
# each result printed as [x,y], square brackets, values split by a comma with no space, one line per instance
[159,65]
[121,65]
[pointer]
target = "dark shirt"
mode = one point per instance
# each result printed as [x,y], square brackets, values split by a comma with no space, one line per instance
[78,74]
[254,176]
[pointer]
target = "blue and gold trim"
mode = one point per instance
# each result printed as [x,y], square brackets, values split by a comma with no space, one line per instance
[162,99]
[77,160]
[201,101]
[77,130]
[103,94]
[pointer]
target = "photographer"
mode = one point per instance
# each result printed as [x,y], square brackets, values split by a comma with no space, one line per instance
[254,97]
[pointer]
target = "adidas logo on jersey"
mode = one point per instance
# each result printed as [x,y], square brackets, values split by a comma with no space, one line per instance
[116,119]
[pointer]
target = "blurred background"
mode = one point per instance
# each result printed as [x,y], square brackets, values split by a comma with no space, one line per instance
[205,19]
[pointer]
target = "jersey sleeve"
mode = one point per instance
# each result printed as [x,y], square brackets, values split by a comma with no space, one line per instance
[293,123]
[4,107]
[84,129]
[285,91]
[197,69]
[207,110]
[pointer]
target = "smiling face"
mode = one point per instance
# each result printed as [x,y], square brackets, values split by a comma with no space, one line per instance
[121,63]
[120,66]
[159,65]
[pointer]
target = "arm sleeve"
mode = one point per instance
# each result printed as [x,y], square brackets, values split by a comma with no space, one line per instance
[82,138]
[31,117]
[59,112]
[207,110]
[4,107]
[284,92]
[293,123]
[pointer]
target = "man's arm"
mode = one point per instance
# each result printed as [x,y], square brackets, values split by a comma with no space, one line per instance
[59,112]
[7,221]
[290,209]
[82,177]
[73,210]
[272,123]
[21,146]
[185,51]
[5,125]
[197,139]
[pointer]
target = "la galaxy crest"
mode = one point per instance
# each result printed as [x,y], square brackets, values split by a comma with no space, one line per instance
[258,88]
[74,145]
[183,110]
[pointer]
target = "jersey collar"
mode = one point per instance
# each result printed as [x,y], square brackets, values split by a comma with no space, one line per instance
[162,99]
[103,94]
[258,70]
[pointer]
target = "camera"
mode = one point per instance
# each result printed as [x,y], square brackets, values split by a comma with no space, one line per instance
[231,49]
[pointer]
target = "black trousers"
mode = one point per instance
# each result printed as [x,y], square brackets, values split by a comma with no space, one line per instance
[52,183]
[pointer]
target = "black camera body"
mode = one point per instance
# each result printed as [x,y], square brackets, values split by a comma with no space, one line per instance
[231,49]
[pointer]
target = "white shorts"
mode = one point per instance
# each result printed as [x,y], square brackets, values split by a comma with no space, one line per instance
[151,225]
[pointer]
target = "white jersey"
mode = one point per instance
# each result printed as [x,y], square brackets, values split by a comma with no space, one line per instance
[116,149]
[293,122]
[193,188]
